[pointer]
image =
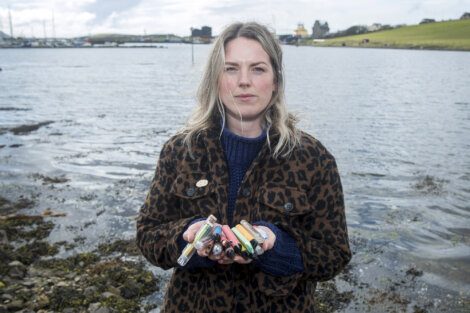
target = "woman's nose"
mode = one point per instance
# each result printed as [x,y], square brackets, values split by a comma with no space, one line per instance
[244,78]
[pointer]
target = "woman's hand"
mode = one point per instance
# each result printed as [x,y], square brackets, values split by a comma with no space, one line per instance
[269,242]
[192,230]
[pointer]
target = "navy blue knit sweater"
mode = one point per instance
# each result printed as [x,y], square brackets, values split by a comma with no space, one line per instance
[284,259]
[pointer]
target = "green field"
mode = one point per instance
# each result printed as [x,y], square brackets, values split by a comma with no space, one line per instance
[450,35]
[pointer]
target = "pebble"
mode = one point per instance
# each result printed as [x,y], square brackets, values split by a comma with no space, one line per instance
[6,296]
[90,291]
[15,263]
[103,309]
[93,307]
[17,269]
[98,308]
[42,301]
[15,305]
[3,237]
[107,294]
[62,284]
[28,284]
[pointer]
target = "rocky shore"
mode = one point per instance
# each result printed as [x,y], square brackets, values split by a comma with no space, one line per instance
[38,274]
[32,280]
[112,278]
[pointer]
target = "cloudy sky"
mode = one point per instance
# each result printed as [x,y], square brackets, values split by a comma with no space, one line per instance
[84,17]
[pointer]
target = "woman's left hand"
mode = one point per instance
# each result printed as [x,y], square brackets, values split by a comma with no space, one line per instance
[267,244]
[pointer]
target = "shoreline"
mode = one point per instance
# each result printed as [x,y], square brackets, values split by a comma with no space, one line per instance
[114,276]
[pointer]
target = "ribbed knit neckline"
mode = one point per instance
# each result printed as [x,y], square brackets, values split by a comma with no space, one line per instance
[241,150]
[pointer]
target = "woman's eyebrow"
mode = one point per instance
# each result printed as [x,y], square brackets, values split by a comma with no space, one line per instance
[251,64]
[259,63]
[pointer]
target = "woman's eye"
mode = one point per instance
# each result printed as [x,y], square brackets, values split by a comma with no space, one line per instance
[230,69]
[258,69]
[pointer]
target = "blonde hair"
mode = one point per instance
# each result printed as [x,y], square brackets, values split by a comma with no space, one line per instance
[210,108]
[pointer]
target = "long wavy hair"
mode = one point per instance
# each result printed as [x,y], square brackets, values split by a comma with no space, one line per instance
[210,109]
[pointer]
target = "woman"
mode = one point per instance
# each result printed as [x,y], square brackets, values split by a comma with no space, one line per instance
[240,156]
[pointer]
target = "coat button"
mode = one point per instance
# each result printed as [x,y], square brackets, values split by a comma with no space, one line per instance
[190,191]
[246,192]
[288,206]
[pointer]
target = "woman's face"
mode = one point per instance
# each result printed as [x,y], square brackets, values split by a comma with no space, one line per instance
[246,85]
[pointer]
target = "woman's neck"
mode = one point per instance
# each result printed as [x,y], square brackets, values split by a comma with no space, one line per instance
[248,129]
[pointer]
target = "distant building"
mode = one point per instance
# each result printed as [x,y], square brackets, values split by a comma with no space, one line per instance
[205,31]
[320,30]
[300,31]
[427,20]
[465,16]
[203,35]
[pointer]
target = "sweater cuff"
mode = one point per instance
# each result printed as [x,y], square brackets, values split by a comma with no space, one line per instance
[196,261]
[284,258]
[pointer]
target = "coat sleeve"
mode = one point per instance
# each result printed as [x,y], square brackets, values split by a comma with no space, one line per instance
[323,239]
[321,234]
[159,224]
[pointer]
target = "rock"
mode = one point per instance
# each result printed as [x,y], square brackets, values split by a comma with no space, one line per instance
[71,275]
[28,284]
[17,270]
[93,307]
[3,237]
[2,285]
[42,301]
[6,296]
[15,305]
[90,291]
[98,308]
[114,290]
[26,129]
[103,309]
[107,294]
[68,310]
[62,284]
[130,289]
[3,309]
[15,264]
[414,272]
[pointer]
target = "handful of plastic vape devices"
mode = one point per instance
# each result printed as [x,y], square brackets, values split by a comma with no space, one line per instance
[243,239]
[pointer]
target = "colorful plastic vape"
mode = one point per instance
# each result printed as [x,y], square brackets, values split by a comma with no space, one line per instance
[190,248]
[245,242]
[254,243]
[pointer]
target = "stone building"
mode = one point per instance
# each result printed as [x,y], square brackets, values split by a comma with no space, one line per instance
[320,30]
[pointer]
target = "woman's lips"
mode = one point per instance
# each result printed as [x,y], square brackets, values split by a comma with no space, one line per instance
[245,97]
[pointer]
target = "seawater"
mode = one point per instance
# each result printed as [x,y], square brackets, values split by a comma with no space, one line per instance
[397,121]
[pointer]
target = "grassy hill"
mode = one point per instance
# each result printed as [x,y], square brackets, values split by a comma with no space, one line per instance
[102,38]
[450,35]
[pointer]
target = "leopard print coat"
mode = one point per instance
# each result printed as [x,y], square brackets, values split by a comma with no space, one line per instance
[301,194]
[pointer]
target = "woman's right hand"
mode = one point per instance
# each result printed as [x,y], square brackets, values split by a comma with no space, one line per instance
[190,234]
